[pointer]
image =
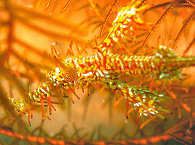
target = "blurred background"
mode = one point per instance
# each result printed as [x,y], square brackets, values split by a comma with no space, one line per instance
[28,28]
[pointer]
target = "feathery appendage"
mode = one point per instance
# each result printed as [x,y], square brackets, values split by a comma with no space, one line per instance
[127,22]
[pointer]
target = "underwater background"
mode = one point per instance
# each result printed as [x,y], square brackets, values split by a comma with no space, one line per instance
[97,72]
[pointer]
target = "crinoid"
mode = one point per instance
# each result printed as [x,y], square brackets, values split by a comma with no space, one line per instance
[135,57]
